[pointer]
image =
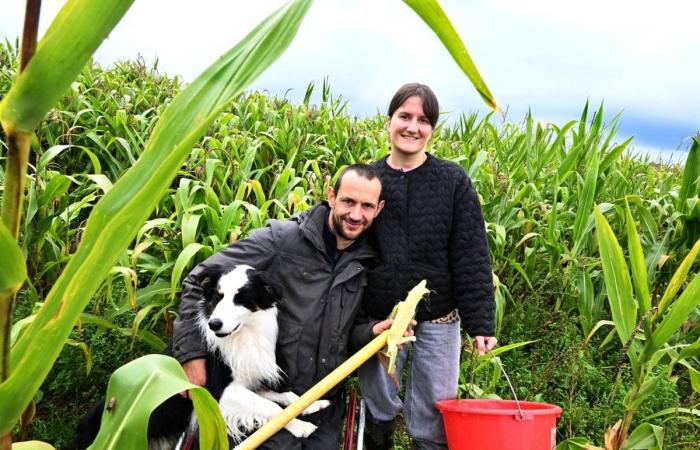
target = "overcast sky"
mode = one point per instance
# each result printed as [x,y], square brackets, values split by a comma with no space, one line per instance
[640,57]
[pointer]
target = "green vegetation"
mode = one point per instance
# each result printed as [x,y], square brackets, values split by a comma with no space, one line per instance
[604,349]
[266,157]
[29,348]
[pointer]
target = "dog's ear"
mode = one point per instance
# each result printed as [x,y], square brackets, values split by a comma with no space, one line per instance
[268,290]
[210,283]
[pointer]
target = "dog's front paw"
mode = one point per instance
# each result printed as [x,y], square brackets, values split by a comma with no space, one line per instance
[300,428]
[316,406]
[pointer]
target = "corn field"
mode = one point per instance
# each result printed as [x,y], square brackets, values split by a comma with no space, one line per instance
[569,216]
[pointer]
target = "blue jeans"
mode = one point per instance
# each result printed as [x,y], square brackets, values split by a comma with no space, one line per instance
[432,376]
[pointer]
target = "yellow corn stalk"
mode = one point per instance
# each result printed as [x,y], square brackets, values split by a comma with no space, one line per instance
[403,313]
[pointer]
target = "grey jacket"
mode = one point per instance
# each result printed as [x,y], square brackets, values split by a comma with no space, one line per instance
[318,327]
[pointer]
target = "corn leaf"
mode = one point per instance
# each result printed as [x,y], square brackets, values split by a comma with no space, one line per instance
[614,154]
[691,351]
[678,279]
[116,219]
[690,184]
[183,260]
[617,280]
[678,313]
[645,436]
[137,388]
[13,271]
[583,213]
[432,14]
[647,388]
[577,443]
[639,271]
[674,411]
[72,38]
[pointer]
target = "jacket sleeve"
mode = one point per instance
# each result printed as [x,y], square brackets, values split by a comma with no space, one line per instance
[361,332]
[257,250]
[470,262]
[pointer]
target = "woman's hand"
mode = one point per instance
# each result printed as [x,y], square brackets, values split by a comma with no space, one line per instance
[485,344]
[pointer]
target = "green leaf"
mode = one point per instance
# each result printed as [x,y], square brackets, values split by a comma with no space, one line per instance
[432,14]
[137,388]
[190,222]
[146,336]
[678,279]
[666,412]
[639,270]
[585,300]
[49,155]
[118,216]
[58,60]
[679,311]
[694,378]
[617,280]
[575,443]
[596,327]
[585,203]
[691,351]
[691,173]
[645,436]
[182,262]
[614,154]
[648,387]
[13,271]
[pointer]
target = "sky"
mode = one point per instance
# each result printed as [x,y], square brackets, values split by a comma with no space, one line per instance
[639,58]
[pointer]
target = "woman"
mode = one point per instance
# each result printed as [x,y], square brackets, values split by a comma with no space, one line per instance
[431,228]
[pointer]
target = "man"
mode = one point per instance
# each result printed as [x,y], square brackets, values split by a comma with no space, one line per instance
[318,259]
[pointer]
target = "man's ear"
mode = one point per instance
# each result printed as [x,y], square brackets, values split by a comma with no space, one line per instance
[331,196]
[380,205]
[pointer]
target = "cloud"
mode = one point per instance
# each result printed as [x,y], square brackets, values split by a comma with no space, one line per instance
[549,56]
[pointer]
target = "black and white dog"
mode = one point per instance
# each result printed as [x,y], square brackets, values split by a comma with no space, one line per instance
[238,321]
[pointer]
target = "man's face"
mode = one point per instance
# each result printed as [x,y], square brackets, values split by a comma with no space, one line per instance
[353,207]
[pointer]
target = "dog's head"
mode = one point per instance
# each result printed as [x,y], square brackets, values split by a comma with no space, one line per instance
[234,297]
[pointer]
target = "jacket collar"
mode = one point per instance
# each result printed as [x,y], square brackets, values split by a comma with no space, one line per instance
[311,223]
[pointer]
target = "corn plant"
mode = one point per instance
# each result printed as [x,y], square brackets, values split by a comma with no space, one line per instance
[116,218]
[650,331]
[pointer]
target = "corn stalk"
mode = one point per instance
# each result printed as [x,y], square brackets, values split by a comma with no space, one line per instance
[634,316]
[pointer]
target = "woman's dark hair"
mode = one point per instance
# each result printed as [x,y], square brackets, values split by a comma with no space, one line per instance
[431,108]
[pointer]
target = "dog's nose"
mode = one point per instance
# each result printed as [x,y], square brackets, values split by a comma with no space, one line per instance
[215,324]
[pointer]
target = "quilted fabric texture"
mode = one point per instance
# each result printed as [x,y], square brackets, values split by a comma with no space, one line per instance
[432,228]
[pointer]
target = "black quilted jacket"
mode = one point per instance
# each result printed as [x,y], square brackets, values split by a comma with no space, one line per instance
[432,228]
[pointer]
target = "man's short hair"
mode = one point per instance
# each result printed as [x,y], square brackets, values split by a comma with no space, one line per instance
[364,170]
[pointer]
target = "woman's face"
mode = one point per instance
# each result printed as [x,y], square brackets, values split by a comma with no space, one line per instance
[409,128]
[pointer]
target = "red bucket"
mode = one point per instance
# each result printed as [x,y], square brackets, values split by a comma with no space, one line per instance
[499,424]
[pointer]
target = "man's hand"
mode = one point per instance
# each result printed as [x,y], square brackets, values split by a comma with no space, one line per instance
[196,372]
[485,344]
[384,325]
[378,329]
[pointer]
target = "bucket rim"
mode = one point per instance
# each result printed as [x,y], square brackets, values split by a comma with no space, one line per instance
[473,406]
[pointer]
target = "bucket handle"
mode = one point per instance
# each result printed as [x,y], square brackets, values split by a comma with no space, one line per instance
[503,370]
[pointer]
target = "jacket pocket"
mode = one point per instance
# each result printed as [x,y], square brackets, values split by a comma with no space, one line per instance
[288,337]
